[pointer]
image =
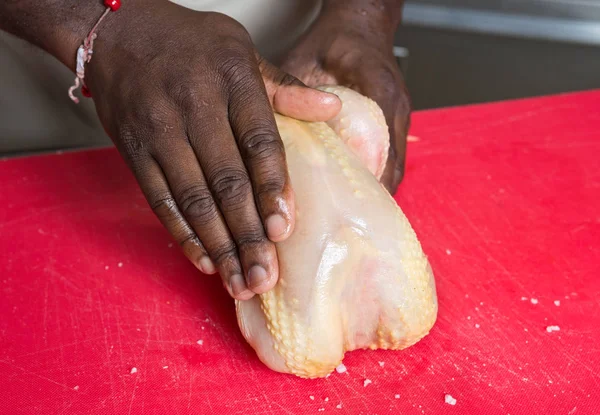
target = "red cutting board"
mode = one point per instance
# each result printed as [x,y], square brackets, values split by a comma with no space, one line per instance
[505,198]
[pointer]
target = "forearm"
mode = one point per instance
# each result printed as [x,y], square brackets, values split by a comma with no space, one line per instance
[59,26]
[381,14]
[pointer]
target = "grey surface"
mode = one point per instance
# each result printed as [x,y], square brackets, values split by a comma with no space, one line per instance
[472,51]
[487,21]
[567,9]
[447,68]
[36,113]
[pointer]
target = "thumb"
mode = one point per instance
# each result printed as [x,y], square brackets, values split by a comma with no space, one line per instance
[289,96]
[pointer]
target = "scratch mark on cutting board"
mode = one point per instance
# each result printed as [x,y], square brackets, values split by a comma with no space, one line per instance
[575,360]
[486,251]
[190,391]
[27,372]
[120,344]
[45,318]
[283,408]
[35,214]
[146,343]
[108,349]
[59,326]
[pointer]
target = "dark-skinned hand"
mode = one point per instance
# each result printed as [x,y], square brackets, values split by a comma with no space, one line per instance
[189,104]
[354,48]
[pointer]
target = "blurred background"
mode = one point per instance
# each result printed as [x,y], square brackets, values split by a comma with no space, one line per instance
[452,52]
[456,52]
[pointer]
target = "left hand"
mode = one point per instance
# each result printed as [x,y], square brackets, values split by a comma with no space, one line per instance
[357,55]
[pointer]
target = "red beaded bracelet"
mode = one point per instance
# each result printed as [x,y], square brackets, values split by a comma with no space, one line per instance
[85,51]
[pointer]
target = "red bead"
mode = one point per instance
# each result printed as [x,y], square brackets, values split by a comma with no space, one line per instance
[114,5]
[86,92]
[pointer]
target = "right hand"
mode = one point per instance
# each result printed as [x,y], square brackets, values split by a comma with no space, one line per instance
[189,104]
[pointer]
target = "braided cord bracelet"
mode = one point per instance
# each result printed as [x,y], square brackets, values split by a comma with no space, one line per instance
[85,51]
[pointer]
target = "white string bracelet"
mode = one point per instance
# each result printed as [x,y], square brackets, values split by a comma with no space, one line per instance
[86,50]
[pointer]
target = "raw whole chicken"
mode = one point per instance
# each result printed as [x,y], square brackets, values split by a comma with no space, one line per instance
[352,274]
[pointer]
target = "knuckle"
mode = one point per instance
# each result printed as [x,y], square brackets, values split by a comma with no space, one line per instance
[183,91]
[259,143]
[236,71]
[399,172]
[389,77]
[224,253]
[399,167]
[403,113]
[230,187]
[151,115]
[197,204]
[191,245]
[404,104]
[132,145]
[251,241]
[286,79]
[164,206]
[146,126]
[271,188]
[387,83]
[192,240]
[235,61]
[156,119]
[139,135]
[277,76]
[347,57]
[189,92]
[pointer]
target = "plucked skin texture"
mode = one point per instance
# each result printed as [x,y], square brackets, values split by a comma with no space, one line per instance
[361,125]
[353,274]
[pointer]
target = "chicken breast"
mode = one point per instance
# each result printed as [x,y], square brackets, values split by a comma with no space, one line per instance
[353,274]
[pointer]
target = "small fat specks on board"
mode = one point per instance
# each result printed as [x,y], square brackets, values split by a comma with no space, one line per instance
[450,400]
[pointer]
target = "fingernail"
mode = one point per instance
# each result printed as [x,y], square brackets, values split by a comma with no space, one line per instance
[330,98]
[238,287]
[257,278]
[277,227]
[207,266]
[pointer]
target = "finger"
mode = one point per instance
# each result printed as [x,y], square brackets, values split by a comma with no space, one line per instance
[289,96]
[196,203]
[158,194]
[395,166]
[228,180]
[262,150]
[386,87]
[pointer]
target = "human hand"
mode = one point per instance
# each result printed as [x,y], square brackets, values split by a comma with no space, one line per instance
[189,104]
[355,51]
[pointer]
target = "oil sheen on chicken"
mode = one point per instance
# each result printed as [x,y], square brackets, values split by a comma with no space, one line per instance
[353,274]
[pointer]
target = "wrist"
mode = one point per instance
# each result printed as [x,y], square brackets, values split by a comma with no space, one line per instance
[78,28]
[59,26]
[110,33]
